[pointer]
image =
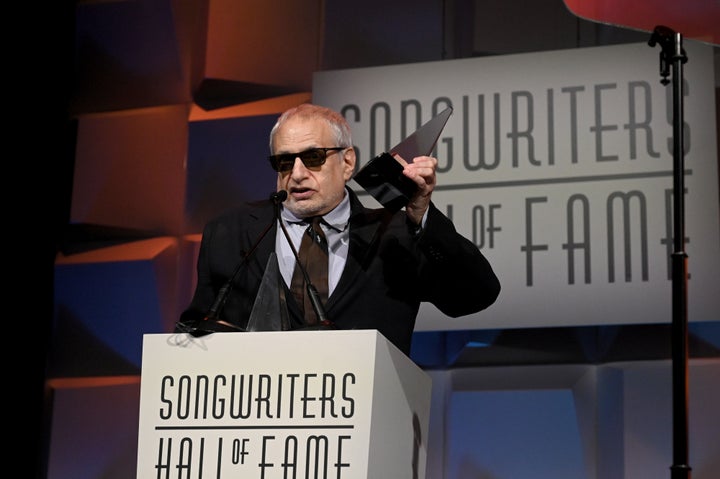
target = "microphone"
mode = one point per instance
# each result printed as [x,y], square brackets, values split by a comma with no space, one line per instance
[277,198]
[214,312]
[323,321]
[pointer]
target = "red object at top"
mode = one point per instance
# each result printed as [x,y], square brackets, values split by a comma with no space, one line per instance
[694,19]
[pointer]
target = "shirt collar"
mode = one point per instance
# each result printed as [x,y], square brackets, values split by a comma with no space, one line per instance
[338,218]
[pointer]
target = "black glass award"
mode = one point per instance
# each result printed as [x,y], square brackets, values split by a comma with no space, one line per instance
[382,176]
[269,311]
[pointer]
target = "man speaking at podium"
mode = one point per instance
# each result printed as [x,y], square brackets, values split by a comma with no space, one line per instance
[378,266]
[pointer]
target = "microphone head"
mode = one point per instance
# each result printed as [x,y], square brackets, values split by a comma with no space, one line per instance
[279,196]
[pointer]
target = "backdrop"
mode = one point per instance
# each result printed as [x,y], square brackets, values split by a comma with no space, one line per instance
[558,165]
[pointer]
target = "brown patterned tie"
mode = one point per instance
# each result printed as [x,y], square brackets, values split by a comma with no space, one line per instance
[314,258]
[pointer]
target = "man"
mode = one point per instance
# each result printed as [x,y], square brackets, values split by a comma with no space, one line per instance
[381,264]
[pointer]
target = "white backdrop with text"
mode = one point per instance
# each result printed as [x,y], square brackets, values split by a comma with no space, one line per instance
[559,166]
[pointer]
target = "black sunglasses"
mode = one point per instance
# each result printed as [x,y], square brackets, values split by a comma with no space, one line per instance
[311,158]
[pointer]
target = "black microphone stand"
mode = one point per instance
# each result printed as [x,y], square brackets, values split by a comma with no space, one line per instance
[673,54]
[213,314]
[223,294]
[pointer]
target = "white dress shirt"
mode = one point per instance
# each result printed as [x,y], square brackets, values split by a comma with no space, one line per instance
[335,225]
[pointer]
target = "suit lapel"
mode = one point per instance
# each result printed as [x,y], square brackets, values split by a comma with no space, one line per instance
[258,219]
[365,226]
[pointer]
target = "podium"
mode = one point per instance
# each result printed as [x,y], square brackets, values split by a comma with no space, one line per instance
[278,404]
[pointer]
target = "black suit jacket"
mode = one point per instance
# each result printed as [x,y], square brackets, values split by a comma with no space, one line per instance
[389,271]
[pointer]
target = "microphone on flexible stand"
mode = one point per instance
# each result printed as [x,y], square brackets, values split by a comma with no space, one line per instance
[277,198]
[196,329]
[323,321]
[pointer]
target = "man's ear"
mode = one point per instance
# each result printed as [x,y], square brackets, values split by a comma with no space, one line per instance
[349,161]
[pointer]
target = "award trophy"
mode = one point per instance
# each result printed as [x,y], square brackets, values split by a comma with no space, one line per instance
[382,176]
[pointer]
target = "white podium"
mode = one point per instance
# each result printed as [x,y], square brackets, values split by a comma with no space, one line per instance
[281,404]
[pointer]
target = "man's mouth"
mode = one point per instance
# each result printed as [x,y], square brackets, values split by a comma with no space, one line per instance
[300,193]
